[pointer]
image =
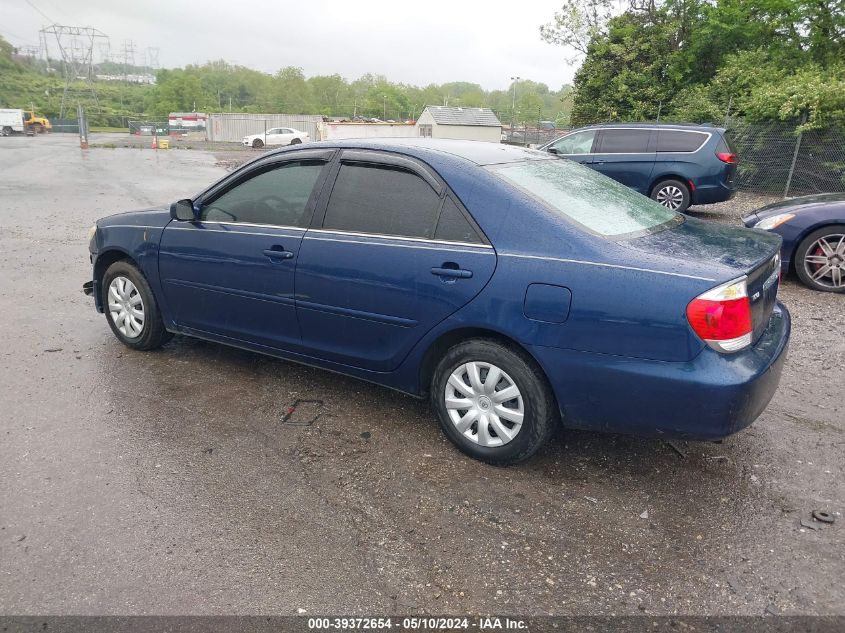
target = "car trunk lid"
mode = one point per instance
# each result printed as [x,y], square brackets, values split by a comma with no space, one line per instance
[720,253]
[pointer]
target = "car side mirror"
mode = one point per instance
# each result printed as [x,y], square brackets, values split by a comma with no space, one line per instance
[183,211]
[552,150]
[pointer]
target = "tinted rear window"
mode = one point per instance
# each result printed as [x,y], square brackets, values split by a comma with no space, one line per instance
[453,226]
[624,141]
[679,141]
[597,203]
[381,200]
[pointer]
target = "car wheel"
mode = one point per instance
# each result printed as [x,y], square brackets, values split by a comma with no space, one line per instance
[492,402]
[295,141]
[131,308]
[7,131]
[820,259]
[672,194]
[258,143]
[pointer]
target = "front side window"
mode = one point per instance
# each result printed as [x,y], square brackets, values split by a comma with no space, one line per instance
[278,197]
[578,143]
[624,141]
[275,130]
[381,200]
[596,202]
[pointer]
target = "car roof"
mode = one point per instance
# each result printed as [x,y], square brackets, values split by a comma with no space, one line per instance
[664,126]
[478,152]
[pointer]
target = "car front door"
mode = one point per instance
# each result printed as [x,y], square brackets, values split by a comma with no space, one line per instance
[577,146]
[393,255]
[626,155]
[230,273]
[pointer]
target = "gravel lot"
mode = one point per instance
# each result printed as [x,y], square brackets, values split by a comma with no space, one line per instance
[167,482]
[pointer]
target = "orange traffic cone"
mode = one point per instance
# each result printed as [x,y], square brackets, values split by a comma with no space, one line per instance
[155,142]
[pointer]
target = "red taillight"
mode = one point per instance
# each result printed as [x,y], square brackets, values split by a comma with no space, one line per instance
[722,316]
[726,157]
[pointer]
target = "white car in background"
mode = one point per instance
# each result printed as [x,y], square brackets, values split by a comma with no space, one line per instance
[276,136]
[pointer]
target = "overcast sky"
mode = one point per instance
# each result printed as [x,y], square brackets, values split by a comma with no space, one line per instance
[432,41]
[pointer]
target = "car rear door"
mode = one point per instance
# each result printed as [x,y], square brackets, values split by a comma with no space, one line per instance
[392,254]
[626,155]
[231,272]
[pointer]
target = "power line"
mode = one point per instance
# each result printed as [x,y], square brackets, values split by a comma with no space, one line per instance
[46,17]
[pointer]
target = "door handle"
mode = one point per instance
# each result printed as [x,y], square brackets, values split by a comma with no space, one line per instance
[278,253]
[453,273]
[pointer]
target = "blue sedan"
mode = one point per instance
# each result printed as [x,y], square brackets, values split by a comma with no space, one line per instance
[515,290]
[813,232]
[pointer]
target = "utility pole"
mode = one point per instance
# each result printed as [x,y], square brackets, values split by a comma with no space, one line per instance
[514,81]
[384,110]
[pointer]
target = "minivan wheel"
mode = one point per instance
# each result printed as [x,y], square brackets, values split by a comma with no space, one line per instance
[258,143]
[493,403]
[131,309]
[672,194]
[820,259]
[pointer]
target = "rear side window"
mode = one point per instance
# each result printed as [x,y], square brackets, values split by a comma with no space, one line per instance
[624,141]
[382,200]
[453,226]
[679,141]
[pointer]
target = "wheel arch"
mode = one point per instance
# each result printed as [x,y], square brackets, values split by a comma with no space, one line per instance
[670,176]
[109,257]
[446,340]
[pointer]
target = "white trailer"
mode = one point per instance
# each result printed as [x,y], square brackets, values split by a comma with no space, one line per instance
[11,121]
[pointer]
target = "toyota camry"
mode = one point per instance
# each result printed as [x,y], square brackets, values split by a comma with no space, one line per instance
[517,291]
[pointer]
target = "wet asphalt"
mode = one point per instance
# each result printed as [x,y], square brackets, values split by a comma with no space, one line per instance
[168,482]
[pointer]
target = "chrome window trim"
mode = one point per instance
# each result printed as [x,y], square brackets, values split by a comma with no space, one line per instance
[619,266]
[251,224]
[650,129]
[401,238]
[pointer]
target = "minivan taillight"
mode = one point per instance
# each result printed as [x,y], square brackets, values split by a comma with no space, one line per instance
[722,316]
[726,157]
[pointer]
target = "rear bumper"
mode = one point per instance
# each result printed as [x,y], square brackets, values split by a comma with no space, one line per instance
[710,194]
[710,397]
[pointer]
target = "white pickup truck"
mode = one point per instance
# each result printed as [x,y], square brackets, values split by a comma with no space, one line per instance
[11,120]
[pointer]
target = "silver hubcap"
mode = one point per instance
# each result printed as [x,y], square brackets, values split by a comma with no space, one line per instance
[126,307]
[825,261]
[484,404]
[670,197]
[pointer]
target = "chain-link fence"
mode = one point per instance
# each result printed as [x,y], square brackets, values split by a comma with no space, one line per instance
[149,128]
[526,135]
[774,157]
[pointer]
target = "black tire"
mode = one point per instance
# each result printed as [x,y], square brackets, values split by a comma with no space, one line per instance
[153,334]
[258,143]
[295,141]
[805,269]
[38,128]
[7,131]
[665,193]
[540,412]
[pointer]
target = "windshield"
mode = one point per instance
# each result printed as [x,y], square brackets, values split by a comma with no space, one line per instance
[598,203]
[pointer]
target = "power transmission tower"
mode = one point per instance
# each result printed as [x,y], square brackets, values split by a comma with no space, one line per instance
[152,58]
[128,58]
[76,46]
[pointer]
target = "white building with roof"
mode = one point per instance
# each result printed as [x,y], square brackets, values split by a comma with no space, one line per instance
[471,124]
